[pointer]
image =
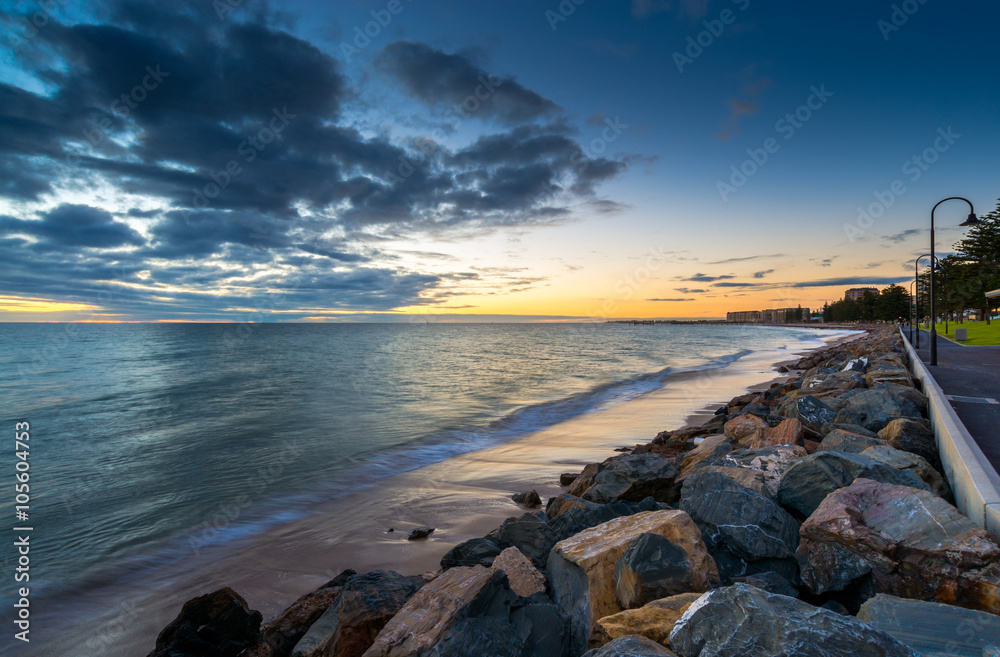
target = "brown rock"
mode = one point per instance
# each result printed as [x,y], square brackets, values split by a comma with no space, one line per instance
[349,626]
[653,621]
[910,542]
[581,568]
[286,630]
[218,623]
[584,480]
[746,477]
[436,608]
[710,449]
[744,426]
[789,432]
[524,578]
[567,478]
[811,446]
[529,499]
[563,503]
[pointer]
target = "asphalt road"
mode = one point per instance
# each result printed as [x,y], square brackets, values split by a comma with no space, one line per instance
[970,372]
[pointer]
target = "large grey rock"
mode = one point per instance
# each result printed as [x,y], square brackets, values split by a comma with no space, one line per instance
[577,519]
[541,628]
[874,408]
[743,621]
[633,478]
[473,552]
[770,581]
[530,534]
[282,633]
[933,629]
[902,541]
[478,636]
[912,435]
[812,412]
[630,646]
[744,531]
[349,626]
[218,623]
[437,613]
[809,480]
[770,462]
[560,504]
[839,440]
[653,567]
[911,462]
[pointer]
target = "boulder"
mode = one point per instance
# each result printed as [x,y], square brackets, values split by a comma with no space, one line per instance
[743,426]
[770,581]
[741,620]
[744,531]
[810,479]
[567,478]
[652,568]
[529,534]
[524,578]
[576,520]
[912,435]
[218,624]
[562,503]
[899,376]
[632,478]
[349,626]
[585,479]
[529,499]
[874,408]
[631,646]
[746,477]
[771,462]
[475,636]
[654,620]
[912,463]
[581,567]
[436,610]
[540,626]
[839,440]
[904,541]
[710,449]
[473,552]
[810,411]
[282,633]
[849,428]
[931,628]
[788,432]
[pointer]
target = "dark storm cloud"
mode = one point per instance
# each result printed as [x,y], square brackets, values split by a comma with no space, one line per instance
[74,225]
[438,78]
[235,132]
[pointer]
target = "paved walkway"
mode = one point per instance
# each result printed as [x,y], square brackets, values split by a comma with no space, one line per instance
[970,372]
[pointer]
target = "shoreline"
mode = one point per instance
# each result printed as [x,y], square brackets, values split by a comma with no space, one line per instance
[454,496]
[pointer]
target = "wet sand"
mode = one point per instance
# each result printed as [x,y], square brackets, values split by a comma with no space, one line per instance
[463,497]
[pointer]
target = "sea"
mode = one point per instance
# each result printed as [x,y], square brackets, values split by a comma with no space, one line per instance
[150,441]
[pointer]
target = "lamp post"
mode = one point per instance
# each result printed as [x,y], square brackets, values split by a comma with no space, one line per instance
[972,220]
[916,305]
[913,310]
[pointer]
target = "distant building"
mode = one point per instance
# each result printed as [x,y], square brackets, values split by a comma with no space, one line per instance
[744,317]
[770,316]
[856,293]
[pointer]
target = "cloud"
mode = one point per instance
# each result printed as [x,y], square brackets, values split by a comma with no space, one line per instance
[684,290]
[852,280]
[745,105]
[737,284]
[438,78]
[669,299]
[74,226]
[762,274]
[745,258]
[253,179]
[899,238]
[704,278]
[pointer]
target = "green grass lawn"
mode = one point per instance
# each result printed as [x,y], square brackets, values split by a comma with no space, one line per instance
[978,332]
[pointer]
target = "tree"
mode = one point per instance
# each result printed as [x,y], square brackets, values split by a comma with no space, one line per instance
[893,304]
[979,252]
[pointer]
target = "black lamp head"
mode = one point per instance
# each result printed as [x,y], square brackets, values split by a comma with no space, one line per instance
[971,221]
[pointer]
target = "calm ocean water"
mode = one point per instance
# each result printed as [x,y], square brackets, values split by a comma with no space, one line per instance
[148,439]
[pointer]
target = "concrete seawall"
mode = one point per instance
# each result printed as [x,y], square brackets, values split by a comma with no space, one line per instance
[976,485]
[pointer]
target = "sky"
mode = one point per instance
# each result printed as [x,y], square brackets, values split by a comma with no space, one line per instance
[445,160]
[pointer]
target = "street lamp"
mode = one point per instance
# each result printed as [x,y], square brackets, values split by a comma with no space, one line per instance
[916,305]
[913,309]
[972,220]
